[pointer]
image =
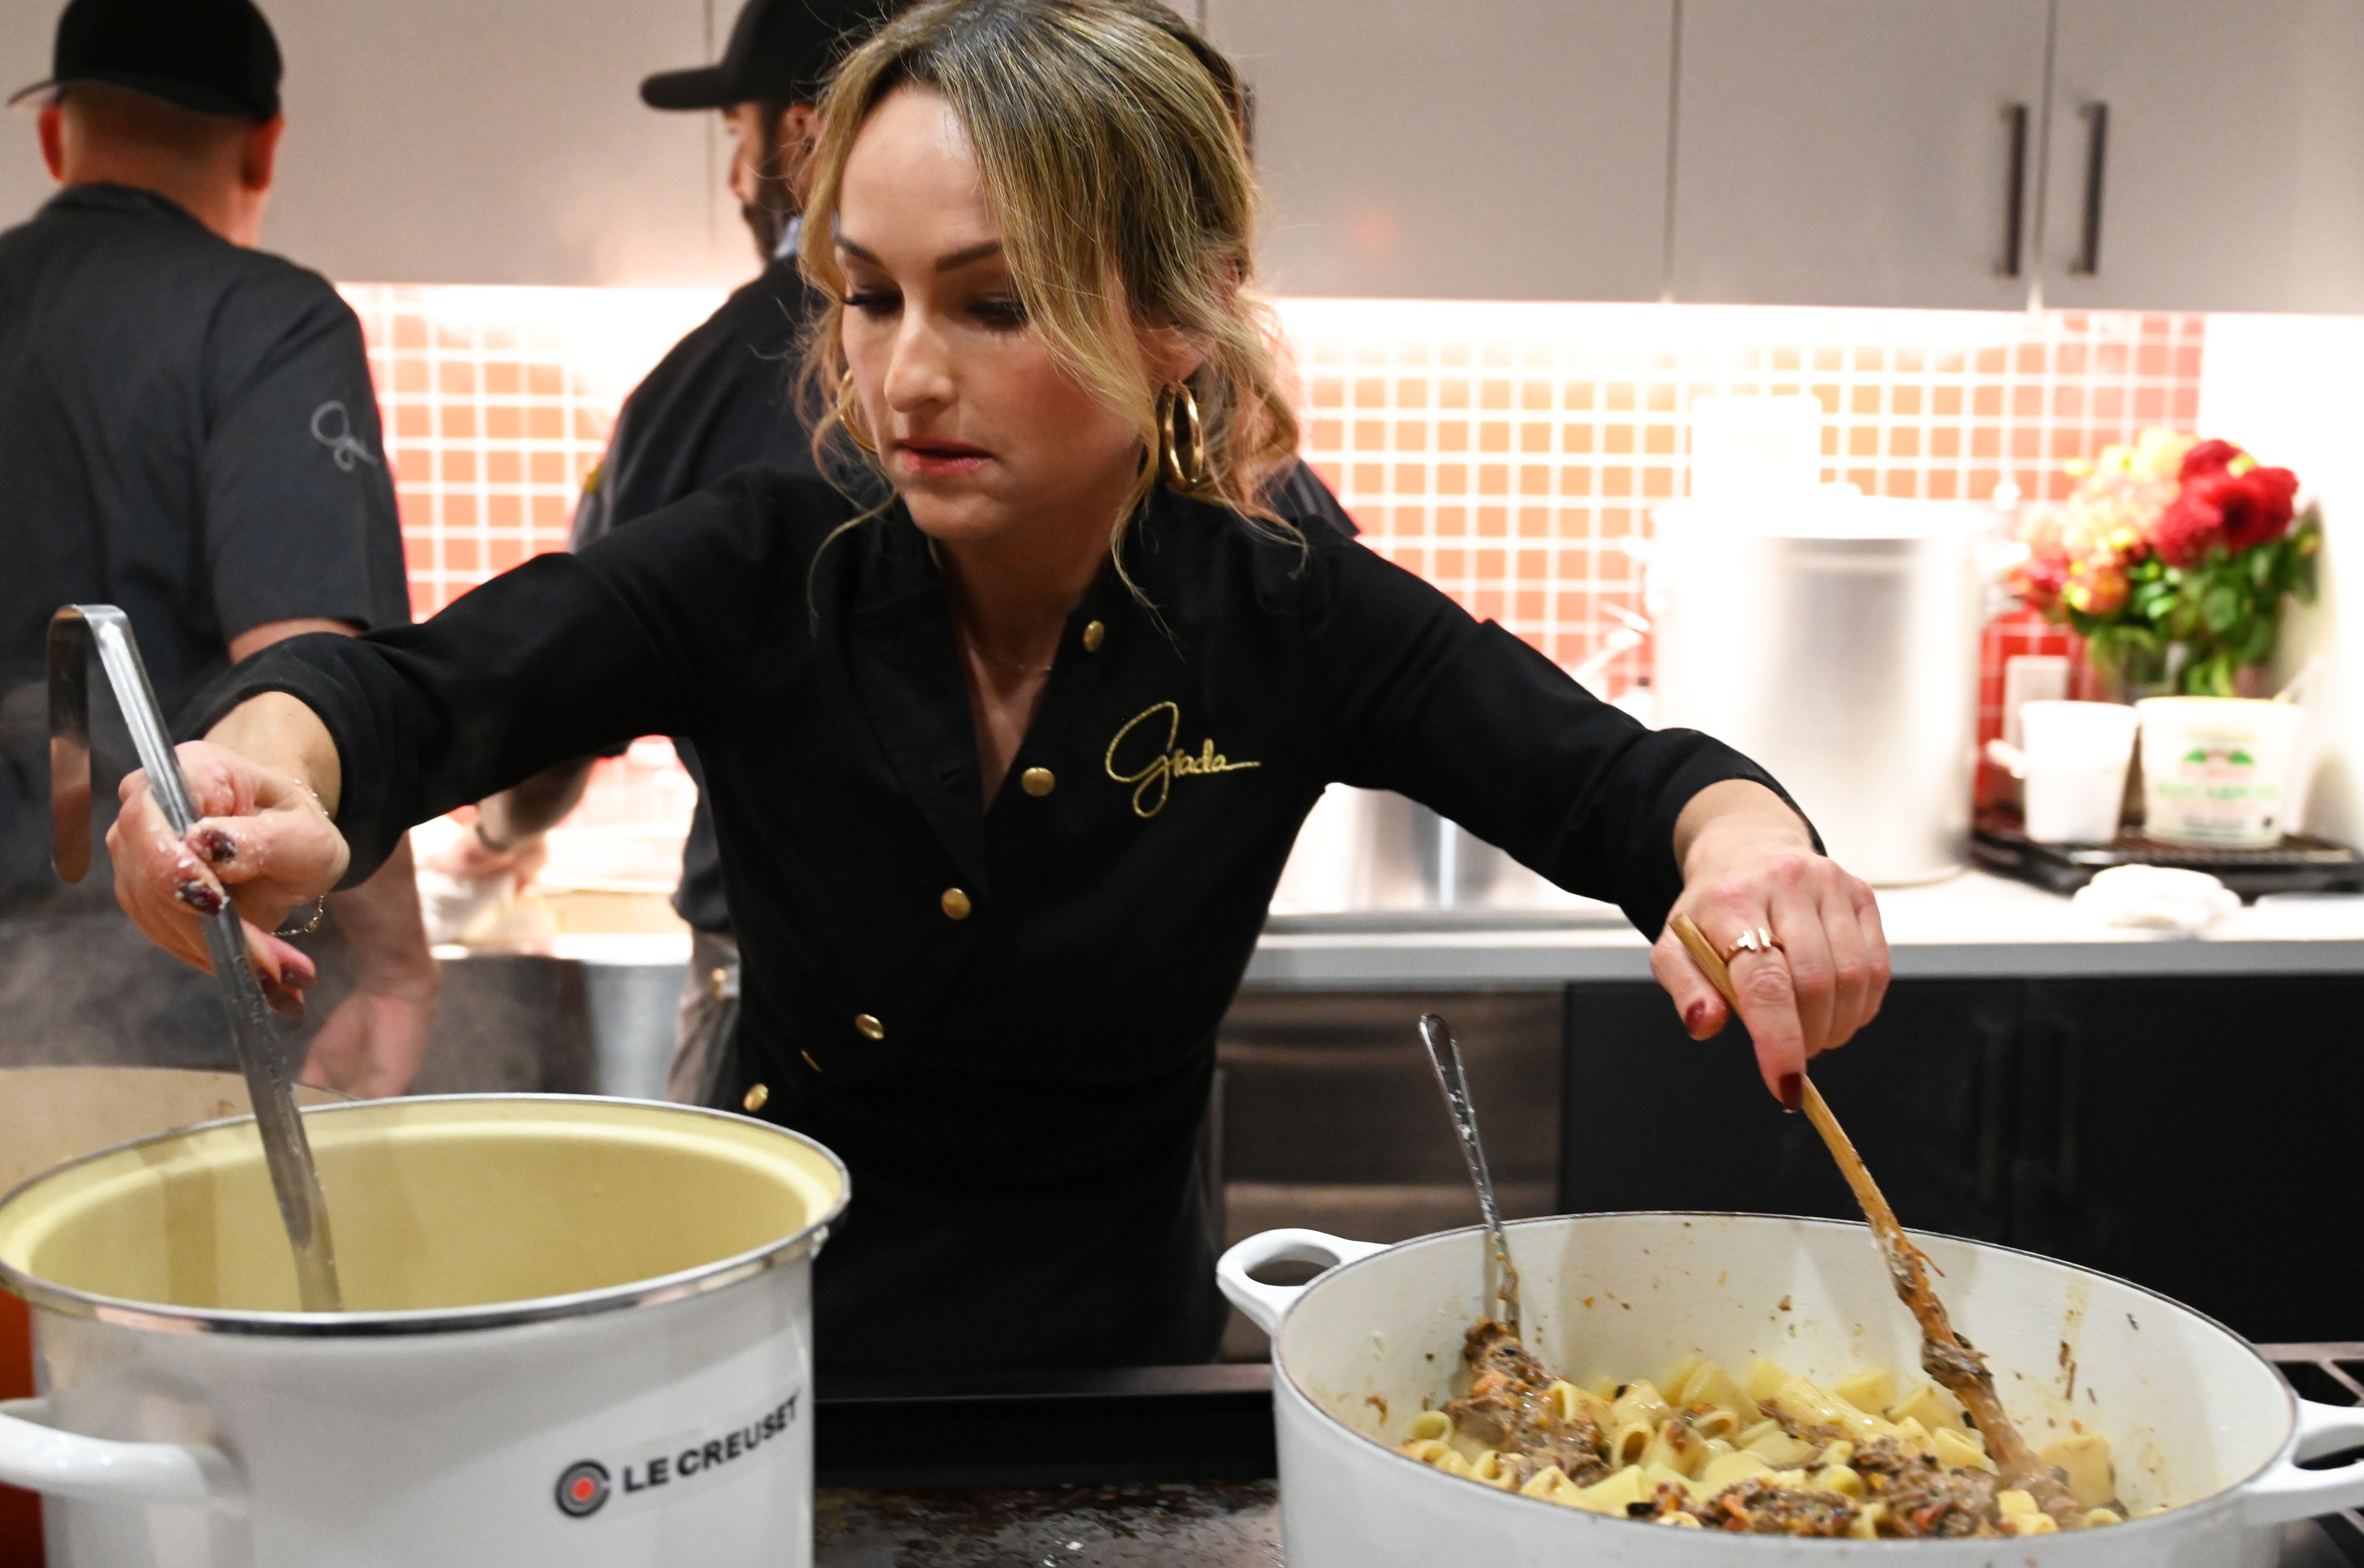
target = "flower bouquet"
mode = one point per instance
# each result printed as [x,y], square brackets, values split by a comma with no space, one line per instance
[2173,560]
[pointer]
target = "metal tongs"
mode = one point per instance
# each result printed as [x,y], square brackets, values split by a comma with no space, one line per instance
[74,632]
[1502,1278]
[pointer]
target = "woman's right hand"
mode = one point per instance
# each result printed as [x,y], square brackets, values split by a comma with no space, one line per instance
[261,837]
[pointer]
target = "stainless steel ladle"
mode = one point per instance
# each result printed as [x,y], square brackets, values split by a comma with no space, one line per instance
[1502,1278]
[75,632]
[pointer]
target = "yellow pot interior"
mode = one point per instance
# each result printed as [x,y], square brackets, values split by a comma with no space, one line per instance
[432,1204]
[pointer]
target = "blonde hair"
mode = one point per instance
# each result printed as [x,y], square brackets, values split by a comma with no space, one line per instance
[1110,142]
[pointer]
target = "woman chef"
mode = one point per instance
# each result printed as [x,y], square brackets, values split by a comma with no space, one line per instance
[1005,771]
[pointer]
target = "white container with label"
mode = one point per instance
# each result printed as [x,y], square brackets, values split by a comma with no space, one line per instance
[2216,770]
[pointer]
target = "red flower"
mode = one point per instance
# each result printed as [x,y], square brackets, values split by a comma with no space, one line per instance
[2239,511]
[2258,507]
[2190,527]
[2208,457]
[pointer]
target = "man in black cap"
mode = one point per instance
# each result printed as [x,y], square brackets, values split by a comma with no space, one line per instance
[723,398]
[188,430]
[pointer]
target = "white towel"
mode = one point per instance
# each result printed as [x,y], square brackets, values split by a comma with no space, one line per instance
[2158,898]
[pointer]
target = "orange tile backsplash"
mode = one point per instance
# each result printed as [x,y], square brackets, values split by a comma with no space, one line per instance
[1509,452]
[496,402]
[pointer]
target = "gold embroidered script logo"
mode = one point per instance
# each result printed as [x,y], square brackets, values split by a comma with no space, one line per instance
[1152,784]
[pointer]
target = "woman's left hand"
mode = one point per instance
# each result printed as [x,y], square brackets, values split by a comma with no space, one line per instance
[1749,865]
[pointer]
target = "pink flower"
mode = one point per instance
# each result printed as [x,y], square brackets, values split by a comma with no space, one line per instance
[2039,580]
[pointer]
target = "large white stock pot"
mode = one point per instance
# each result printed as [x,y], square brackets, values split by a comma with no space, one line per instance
[580,1332]
[2196,1417]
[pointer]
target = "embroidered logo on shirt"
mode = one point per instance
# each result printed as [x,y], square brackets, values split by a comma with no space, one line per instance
[332,427]
[1152,784]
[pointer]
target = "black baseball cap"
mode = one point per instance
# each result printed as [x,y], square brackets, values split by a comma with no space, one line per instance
[780,52]
[216,57]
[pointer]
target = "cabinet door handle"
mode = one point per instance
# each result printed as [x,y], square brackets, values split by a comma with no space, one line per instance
[2015,196]
[2097,157]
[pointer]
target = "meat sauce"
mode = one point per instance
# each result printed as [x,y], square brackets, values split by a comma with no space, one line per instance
[1521,1429]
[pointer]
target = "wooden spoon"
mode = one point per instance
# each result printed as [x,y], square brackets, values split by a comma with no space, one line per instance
[1945,1356]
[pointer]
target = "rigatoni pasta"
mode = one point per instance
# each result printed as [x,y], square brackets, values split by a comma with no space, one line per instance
[1768,1452]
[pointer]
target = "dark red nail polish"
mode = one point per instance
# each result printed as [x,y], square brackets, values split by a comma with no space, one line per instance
[1694,1016]
[217,845]
[197,896]
[1793,1091]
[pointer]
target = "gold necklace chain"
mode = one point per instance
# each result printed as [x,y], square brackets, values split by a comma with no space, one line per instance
[968,640]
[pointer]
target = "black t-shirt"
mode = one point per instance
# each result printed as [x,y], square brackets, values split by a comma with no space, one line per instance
[188,430]
[722,398]
[1015,1077]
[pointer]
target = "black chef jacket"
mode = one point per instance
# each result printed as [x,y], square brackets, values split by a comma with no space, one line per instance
[188,430]
[724,398]
[1014,1077]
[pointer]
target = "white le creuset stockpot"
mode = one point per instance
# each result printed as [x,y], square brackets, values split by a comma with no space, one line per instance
[579,1331]
[2196,1417]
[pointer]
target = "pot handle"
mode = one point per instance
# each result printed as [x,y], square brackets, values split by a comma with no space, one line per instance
[2286,1493]
[40,1458]
[1265,1305]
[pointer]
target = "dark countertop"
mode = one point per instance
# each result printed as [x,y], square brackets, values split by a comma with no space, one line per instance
[1212,1524]
[1165,1467]
[1203,1525]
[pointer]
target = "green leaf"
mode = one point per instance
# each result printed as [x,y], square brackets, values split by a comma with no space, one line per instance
[2219,608]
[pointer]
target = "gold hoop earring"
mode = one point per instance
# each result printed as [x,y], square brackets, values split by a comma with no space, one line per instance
[1181,439]
[846,406]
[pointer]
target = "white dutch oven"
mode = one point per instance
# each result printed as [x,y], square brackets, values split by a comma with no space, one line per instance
[580,1333]
[2196,1417]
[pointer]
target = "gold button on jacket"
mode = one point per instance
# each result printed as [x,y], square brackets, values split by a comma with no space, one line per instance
[1094,632]
[955,903]
[756,1098]
[1037,782]
[871,1027]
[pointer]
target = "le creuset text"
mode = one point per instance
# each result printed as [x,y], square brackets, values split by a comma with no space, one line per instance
[584,1488]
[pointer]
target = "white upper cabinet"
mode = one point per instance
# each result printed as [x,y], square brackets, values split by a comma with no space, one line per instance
[24,34]
[1487,149]
[2206,155]
[454,141]
[1857,152]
